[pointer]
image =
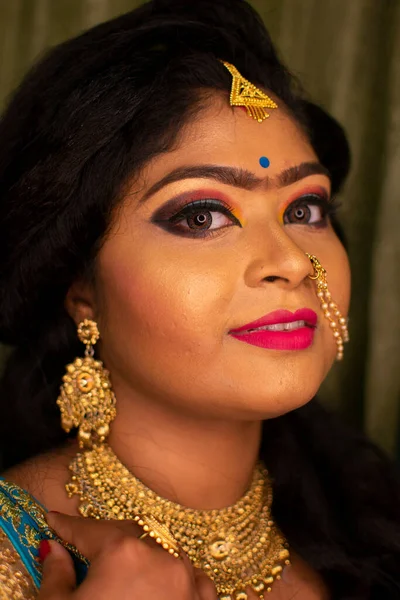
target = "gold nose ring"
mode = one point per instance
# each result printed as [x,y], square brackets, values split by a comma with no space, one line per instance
[337,322]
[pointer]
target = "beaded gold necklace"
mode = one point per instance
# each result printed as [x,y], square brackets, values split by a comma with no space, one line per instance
[238,547]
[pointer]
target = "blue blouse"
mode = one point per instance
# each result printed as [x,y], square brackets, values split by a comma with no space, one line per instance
[22,527]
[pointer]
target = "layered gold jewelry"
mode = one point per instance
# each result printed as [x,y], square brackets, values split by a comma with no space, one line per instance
[337,322]
[244,93]
[238,547]
[86,399]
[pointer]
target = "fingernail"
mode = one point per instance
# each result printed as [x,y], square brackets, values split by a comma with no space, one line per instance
[44,549]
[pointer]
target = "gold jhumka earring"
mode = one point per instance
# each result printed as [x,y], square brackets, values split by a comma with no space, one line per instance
[337,322]
[86,399]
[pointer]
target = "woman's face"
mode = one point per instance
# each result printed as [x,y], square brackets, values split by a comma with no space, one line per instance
[171,286]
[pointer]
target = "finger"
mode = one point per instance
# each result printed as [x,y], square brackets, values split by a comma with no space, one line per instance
[90,536]
[58,578]
[205,588]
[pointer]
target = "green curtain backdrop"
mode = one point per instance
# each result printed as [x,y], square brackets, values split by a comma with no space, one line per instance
[347,54]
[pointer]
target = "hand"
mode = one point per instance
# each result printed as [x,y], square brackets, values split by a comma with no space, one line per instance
[122,566]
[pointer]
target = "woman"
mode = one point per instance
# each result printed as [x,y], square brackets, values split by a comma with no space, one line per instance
[166,191]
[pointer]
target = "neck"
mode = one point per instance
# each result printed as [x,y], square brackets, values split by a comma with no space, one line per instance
[200,464]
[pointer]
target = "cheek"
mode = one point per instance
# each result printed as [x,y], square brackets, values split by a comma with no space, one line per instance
[159,300]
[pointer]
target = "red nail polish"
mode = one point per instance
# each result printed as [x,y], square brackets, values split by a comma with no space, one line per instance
[44,549]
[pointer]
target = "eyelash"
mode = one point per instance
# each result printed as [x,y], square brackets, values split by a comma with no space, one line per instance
[329,209]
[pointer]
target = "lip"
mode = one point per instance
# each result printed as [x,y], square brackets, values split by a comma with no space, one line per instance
[281,316]
[298,339]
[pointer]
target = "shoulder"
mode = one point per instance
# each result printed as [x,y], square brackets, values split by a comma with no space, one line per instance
[27,491]
[22,526]
[44,476]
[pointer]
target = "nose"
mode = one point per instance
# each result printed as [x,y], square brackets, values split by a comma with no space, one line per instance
[276,257]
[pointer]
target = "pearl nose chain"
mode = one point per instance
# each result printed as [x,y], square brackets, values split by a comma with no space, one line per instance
[337,322]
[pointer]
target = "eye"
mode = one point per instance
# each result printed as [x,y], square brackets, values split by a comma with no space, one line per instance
[311,209]
[201,218]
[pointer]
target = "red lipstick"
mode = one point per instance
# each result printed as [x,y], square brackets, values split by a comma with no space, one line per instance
[295,339]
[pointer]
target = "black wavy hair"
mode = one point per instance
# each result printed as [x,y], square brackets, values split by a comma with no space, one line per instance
[84,121]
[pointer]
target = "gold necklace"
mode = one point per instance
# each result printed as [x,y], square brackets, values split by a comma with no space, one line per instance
[237,547]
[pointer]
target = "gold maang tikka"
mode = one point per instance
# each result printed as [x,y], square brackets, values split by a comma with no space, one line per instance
[86,399]
[244,93]
[337,322]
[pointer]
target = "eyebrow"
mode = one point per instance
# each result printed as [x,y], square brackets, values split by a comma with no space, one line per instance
[237,177]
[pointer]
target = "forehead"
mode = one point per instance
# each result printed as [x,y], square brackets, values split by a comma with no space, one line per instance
[221,134]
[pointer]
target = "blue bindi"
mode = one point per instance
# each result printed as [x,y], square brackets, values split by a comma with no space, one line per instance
[264,162]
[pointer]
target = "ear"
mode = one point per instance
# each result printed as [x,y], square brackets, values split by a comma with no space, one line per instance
[80,302]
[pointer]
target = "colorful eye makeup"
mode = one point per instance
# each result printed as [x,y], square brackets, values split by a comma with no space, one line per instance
[313,194]
[205,213]
[192,207]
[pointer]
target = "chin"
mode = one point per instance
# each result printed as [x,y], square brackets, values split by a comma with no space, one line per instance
[278,409]
[263,408]
[273,392]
